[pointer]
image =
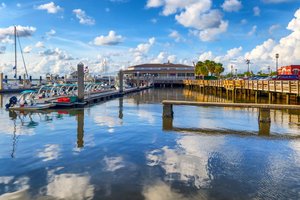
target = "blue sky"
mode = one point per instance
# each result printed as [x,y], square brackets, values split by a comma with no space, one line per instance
[108,35]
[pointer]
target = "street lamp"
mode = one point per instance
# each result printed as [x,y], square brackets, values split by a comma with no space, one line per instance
[277,56]
[269,70]
[231,70]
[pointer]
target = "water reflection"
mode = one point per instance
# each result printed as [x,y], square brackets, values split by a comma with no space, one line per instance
[117,150]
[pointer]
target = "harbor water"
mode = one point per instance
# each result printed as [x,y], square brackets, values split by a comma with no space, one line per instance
[124,149]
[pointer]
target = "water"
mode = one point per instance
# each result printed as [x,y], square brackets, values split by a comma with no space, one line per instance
[121,149]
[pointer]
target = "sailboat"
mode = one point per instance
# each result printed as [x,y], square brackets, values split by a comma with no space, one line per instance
[26,83]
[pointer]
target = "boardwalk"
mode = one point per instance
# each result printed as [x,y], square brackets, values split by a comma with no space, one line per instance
[248,87]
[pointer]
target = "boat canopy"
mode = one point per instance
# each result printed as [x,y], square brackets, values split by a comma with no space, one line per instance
[28,91]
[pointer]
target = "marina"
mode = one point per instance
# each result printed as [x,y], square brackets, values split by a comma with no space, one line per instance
[200,156]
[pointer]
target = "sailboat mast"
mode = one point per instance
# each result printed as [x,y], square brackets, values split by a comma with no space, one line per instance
[15,33]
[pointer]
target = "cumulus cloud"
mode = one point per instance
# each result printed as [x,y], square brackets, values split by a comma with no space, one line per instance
[194,14]
[23,31]
[57,53]
[27,49]
[83,18]
[256,11]
[39,44]
[176,36]
[154,3]
[50,8]
[111,39]
[164,57]
[263,55]
[142,49]
[231,5]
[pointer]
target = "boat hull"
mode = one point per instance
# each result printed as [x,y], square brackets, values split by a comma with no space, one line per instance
[34,107]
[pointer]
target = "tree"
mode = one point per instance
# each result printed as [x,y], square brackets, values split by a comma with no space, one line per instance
[211,66]
[219,69]
[201,69]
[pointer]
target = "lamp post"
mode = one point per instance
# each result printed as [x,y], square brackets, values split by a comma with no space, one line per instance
[277,56]
[231,70]
[269,70]
[236,72]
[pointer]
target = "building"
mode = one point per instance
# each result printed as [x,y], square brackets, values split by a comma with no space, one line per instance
[289,70]
[167,73]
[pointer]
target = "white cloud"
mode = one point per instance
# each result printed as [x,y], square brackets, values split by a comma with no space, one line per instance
[19,5]
[256,11]
[27,49]
[111,39]
[253,31]
[231,5]
[142,49]
[194,14]
[83,18]
[58,53]
[176,36]
[154,3]
[23,31]
[50,7]
[39,44]
[273,28]
[51,33]
[211,33]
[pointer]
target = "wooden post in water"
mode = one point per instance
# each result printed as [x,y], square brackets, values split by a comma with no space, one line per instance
[264,121]
[1,81]
[80,128]
[121,76]
[80,82]
[1,101]
[287,96]
[167,123]
[121,108]
[270,97]
[167,111]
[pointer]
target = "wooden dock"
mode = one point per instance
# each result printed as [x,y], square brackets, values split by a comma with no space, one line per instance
[273,88]
[264,118]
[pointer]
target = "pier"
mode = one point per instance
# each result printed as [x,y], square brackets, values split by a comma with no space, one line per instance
[274,89]
[264,119]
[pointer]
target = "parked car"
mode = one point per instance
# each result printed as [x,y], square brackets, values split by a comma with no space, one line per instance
[286,77]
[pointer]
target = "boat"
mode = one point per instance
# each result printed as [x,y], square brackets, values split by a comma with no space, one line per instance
[27,102]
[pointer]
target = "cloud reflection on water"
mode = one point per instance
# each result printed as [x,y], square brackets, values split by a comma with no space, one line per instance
[188,162]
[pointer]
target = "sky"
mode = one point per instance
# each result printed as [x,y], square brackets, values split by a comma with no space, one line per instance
[109,35]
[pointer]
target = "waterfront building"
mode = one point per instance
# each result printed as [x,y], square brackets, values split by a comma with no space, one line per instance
[166,73]
[289,70]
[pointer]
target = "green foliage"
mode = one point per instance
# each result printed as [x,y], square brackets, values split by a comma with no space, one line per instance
[208,66]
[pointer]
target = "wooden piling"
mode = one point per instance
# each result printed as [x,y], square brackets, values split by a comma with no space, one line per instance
[1,81]
[168,111]
[80,81]
[80,128]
